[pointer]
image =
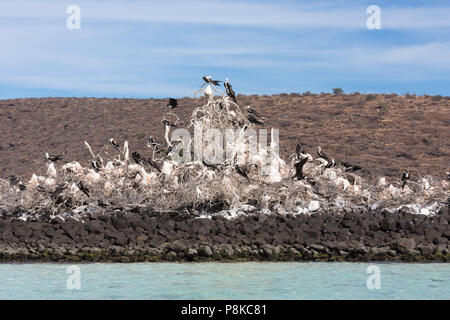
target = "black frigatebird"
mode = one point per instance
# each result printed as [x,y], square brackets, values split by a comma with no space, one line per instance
[152,141]
[298,151]
[83,189]
[330,164]
[153,164]
[95,165]
[52,158]
[229,90]
[168,123]
[13,180]
[252,119]
[350,167]
[172,104]
[209,165]
[299,169]
[138,158]
[208,79]
[114,143]
[241,172]
[141,160]
[405,178]
[252,111]
[59,189]
[322,155]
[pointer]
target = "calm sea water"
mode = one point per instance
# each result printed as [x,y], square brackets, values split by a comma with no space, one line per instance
[225,281]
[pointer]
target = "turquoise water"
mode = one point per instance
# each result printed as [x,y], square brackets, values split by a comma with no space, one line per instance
[254,280]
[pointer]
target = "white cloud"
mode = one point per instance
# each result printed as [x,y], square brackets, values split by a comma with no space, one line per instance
[152,48]
[328,15]
[95,85]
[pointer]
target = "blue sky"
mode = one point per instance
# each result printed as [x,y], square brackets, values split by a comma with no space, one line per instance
[163,48]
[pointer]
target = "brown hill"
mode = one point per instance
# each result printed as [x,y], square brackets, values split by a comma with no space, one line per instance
[382,133]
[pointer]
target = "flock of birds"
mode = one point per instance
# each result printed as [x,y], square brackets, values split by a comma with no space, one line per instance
[97,162]
[253,116]
[303,157]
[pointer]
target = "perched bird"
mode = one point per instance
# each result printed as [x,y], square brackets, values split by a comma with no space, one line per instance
[252,111]
[252,119]
[168,123]
[138,158]
[350,167]
[241,172]
[173,144]
[448,175]
[322,155]
[405,178]
[95,165]
[168,150]
[141,160]
[102,203]
[208,79]
[172,104]
[299,169]
[52,158]
[313,183]
[229,90]
[152,142]
[330,164]
[299,151]
[59,189]
[114,143]
[240,124]
[153,164]
[13,180]
[209,165]
[83,189]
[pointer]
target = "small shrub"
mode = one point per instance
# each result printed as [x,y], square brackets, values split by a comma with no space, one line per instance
[436,98]
[337,91]
[383,108]
[370,97]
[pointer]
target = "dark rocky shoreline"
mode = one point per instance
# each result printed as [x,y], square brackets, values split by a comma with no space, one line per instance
[146,235]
